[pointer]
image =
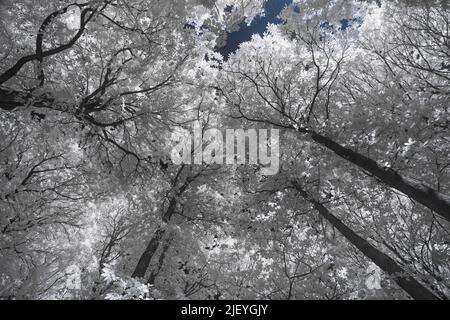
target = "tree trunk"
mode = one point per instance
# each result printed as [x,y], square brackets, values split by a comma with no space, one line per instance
[154,243]
[155,271]
[417,191]
[383,261]
[147,255]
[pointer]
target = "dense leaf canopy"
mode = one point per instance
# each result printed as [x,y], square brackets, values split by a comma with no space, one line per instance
[92,94]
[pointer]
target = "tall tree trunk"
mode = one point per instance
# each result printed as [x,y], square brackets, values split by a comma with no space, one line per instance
[153,244]
[383,261]
[147,255]
[155,241]
[155,271]
[416,190]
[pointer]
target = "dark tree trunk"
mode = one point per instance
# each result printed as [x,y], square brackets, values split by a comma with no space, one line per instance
[155,271]
[383,261]
[155,241]
[416,190]
[170,210]
[149,252]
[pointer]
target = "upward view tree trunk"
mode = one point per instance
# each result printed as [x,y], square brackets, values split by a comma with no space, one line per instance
[383,261]
[162,256]
[156,240]
[416,190]
[147,255]
[154,243]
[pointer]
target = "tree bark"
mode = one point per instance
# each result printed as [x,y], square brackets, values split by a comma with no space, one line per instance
[155,241]
[162,256]
[415,289]
[417,191]
[149,252]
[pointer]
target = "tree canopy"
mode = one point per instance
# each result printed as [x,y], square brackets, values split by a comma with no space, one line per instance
[94,93]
